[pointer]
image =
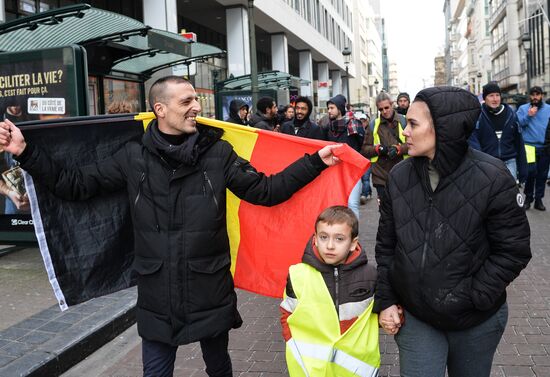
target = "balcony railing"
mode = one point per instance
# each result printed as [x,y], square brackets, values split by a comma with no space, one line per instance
[499,43]
[496,14]
[505,73]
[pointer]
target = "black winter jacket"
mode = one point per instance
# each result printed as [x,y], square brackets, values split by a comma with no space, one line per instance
[185,287]
[448,255]
[509,145]
[259,120]
[308,130]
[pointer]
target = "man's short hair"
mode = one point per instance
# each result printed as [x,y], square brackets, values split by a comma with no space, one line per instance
[264,103]
[339,215]
[383,96]
[157,91]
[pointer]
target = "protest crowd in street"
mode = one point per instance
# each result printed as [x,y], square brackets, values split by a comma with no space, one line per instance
[453,179]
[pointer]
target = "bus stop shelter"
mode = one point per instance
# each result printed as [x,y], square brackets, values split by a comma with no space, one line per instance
[122,53]
[281,86]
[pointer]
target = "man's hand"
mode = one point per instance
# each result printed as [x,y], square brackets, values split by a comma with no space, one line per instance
[20,201]
[532,111]
[393,151]
[382,150]
[390,319]
[327,156]
[11,138]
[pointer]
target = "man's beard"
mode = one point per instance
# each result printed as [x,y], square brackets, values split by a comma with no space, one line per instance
[536,102]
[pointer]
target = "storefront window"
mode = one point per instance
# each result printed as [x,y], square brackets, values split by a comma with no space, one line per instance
[93,95]
[121,92]
[27,6]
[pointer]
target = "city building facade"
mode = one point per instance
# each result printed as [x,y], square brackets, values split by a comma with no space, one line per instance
[304,38]
[506,41]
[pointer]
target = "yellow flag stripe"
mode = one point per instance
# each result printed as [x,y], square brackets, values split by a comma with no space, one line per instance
[243,140]
[146,118]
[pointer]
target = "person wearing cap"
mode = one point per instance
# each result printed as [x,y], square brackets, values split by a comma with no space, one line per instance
[342,129]
[301,125]
[403,103]
[238,112]
[384,142]
[533,118]
[452,236]
[498,133]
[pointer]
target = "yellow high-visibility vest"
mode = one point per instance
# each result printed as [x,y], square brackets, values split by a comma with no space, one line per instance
[317,348]
[377,138]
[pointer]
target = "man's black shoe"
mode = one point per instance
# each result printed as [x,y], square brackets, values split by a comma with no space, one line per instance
[538,205]
[548,182]
[527,204]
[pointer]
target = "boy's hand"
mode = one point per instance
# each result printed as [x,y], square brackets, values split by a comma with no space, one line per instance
[11,138]
[390,319]
[327,156]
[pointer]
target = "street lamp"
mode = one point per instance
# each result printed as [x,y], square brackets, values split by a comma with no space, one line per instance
[253,60]
[479,82]
[376,82]
[526,40]
[347,54]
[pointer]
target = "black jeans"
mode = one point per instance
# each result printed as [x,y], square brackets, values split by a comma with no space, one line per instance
[159,358]
[537,176]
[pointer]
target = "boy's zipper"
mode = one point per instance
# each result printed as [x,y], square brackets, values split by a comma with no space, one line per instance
[336,291]
[207,180]
[141,180]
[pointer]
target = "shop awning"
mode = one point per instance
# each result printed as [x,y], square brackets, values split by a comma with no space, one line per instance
[76,24]
[118,41]
[266,80]
[159,49]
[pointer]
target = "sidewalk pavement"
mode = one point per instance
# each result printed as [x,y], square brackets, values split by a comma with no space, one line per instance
[52,340]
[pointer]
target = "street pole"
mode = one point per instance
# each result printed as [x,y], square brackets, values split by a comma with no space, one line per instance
[347,81]
[253,61]
[528,70]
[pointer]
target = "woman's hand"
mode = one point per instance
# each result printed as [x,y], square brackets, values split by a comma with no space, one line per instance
[390,319]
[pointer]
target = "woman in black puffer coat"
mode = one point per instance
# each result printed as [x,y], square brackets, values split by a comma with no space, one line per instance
[452,235]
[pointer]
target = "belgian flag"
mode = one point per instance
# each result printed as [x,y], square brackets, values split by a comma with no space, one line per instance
[88,246]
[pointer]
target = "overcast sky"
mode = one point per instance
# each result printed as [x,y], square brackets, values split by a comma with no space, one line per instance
[415,33]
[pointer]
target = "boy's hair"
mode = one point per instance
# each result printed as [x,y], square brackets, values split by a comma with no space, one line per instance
[339,215]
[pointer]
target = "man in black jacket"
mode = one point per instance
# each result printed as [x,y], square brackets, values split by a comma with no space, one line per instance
[265,117]
[176,180]
[301,125]
[452,235]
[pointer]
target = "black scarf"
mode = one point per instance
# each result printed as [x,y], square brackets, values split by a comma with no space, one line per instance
[186,152]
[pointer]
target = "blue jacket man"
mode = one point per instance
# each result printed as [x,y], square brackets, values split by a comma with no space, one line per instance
[498,133]
[533,118]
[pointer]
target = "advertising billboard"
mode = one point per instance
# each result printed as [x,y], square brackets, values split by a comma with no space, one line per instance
[35,86]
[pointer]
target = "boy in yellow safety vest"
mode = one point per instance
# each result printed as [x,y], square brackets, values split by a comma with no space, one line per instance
[327,318]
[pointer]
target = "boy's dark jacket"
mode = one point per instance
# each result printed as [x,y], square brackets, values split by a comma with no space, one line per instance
[185,287]
[448,255]
[356,280]
[511,142]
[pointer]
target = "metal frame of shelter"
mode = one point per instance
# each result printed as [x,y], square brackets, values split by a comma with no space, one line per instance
[115,44]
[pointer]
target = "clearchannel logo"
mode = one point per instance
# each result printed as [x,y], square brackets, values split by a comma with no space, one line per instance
[17,222]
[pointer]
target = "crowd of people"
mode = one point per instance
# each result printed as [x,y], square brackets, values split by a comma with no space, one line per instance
[452,235]
[518,138]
